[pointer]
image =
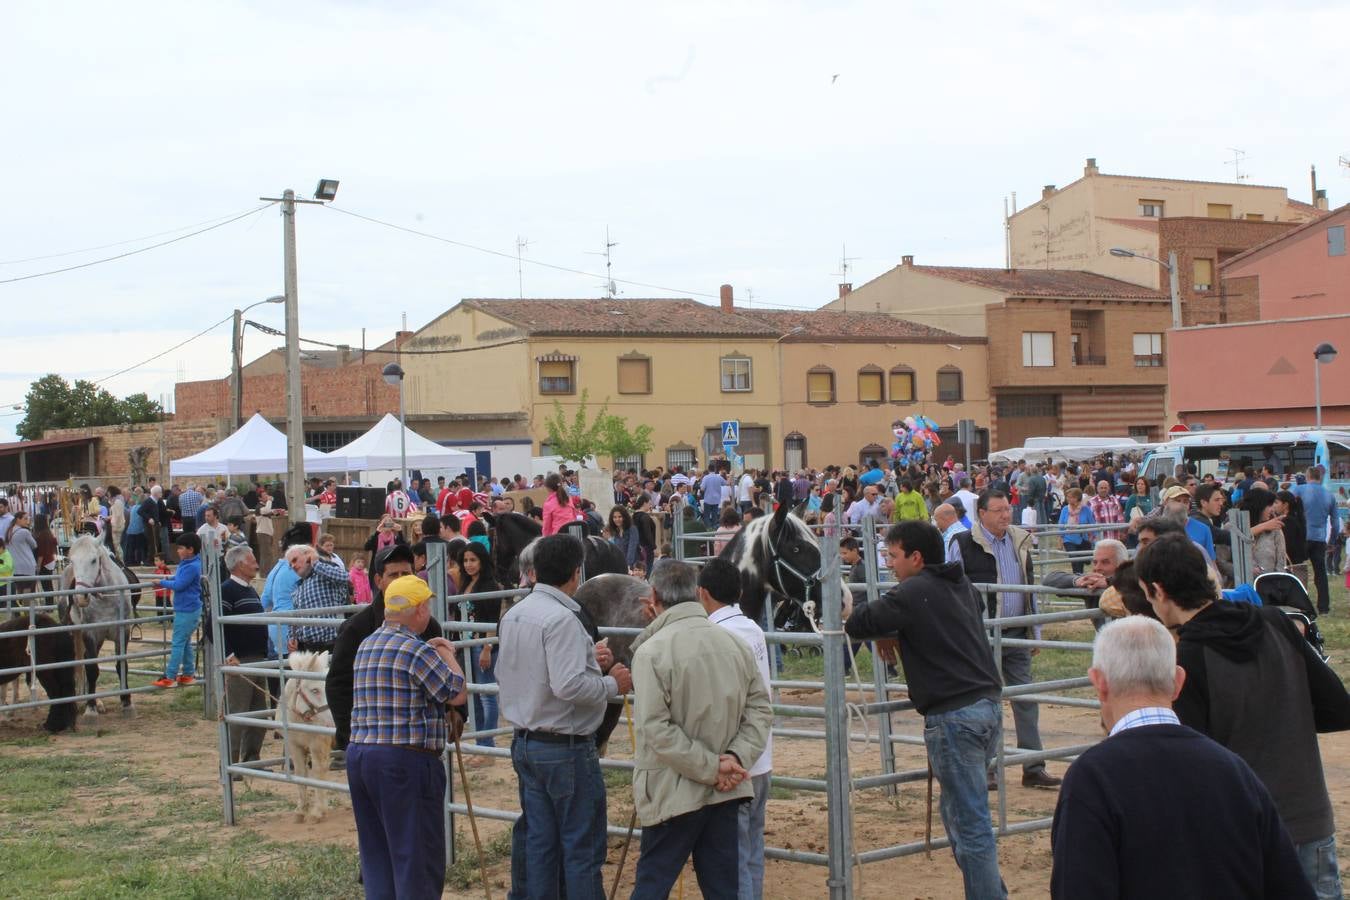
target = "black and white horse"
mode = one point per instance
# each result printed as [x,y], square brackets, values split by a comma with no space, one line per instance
[777,556]
[91,565]
[513,532]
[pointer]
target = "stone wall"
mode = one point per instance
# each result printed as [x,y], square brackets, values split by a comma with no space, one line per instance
[112,456]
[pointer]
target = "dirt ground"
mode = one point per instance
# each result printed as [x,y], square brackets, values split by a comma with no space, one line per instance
[169,739]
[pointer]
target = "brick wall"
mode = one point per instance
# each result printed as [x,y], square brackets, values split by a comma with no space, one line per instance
[1217,240]
[112,461]
[1120,320]
[354,391]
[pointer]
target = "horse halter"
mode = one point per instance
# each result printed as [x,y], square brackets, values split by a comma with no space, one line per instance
[313,710]
[808,581]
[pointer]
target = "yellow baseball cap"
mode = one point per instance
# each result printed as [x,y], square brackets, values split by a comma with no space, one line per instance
[1176,492]
[405,592]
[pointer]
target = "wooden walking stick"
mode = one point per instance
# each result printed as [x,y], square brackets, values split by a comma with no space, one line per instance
[632,820]
[928,824]
[473,822]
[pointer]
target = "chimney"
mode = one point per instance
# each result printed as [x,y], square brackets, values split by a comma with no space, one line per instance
[344,354]
[727,305]
[844,290]
[1091,167]
[907,262]
[1047,191]
[400,337]
[1320,199]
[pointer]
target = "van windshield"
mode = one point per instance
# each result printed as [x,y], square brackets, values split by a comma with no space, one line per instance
[1222,461]
[1339,461]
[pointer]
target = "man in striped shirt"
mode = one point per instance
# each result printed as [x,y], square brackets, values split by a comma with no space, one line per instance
[401,685]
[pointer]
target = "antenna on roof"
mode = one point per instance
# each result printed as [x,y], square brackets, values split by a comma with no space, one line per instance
[1236,163]
[610,287]
[1345,164]
[844,260]
[521,244]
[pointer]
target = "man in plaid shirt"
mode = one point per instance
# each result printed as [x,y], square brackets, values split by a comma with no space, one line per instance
[323,585]
[401,685]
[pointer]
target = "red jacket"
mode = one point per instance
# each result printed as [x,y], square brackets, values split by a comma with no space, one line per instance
[557,516]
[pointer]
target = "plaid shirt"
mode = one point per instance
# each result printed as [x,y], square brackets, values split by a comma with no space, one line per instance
[1107,510]
[400,687]
[189,502]
[326,586]
[1148,715]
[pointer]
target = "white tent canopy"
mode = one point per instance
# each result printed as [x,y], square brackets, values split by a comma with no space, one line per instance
[256,448]
[1076,449]
[379,449]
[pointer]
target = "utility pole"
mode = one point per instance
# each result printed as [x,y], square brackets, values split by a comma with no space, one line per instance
[521,244]
[237,365]
[295,411]
[1174,286]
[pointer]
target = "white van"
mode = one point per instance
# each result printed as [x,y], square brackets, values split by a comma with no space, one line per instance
[1222,453]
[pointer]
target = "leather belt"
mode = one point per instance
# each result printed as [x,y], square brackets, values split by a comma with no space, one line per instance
[554,737]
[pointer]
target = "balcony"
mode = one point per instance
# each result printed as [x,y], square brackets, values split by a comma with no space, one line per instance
[1148,361]
[1089,360]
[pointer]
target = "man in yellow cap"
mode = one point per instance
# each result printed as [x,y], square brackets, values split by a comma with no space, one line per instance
[401,685]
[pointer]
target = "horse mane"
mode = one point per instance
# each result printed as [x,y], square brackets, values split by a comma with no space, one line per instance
[308,662]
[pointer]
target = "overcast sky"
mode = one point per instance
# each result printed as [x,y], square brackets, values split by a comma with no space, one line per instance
[712,139]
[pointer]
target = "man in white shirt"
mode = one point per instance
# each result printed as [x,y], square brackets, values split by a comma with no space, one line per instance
[719,590]
[963,493]
[745,491]
[212,532]
[869,505]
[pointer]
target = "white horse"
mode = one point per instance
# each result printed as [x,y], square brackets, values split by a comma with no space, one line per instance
[91,565]
[305,701]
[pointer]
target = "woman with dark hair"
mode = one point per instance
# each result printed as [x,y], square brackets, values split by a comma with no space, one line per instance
[623,535]
[1268,541]
[46,550]
[645,526]
[558,509]
[1290,510]
[475,575]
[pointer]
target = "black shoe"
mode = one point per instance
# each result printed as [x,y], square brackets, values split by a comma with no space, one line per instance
[1040,779]
[993,783]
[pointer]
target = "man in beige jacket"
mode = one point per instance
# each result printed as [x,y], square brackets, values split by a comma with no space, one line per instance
[702,717]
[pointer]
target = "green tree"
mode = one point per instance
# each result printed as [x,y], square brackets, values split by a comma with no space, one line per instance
[52,402]
[580,437]
[617,442]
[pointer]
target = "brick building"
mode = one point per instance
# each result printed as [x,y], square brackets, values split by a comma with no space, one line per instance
[103,454]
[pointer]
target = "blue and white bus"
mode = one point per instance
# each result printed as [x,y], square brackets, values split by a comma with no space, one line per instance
[1223,453]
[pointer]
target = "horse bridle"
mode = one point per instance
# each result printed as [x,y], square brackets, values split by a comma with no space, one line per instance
[313,710]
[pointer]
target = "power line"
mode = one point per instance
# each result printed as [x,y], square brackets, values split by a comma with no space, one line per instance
[534,262]
[276,332]
[105,259]
[144,237]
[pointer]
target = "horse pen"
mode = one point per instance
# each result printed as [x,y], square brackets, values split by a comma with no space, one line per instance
[135,806]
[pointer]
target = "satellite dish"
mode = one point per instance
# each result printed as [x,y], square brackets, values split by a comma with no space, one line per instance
[613,288]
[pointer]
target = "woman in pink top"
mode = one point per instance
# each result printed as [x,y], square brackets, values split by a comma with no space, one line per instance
[558,509]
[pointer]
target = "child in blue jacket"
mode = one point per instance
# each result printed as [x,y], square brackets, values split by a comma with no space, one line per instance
[186,585]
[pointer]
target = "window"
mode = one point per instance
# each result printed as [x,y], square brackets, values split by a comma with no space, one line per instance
[1336,240]
[820,385]
[870,385]
[545,449]
[635,374]
[1255,217]
[949,385]
[624,463]
[870,453]
[1027,406]
[1148,350]
[1153,209]
[1038,348]
[902,385]
[1141,433]
[735,373]
[1203,274]
[753,448]
[1220,211]
[794,451]
[328,441]
[680,456]
[557,374]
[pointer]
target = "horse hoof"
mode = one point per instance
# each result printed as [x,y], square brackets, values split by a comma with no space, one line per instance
[91,715]
[128,712]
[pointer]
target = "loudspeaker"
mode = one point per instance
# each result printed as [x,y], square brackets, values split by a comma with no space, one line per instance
[349,503]
[372,502]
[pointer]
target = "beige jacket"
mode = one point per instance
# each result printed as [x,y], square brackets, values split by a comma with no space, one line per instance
[698,694]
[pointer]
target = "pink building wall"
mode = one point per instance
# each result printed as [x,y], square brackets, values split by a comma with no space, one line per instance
[1297,277]
[1258,373]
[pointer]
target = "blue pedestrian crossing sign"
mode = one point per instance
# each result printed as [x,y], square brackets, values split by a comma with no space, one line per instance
[731,432]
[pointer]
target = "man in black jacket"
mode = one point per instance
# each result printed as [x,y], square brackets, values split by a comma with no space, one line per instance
[934,612]
[390,563]
[1156,809]
[243,644]
[1255,685]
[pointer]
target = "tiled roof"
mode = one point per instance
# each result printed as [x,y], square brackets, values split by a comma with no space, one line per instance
[1284,236]
[1142,224]
[1307,208]
[622,316]
[801,325]
[1056,283]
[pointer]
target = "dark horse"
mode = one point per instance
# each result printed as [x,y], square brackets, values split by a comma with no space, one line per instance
[51,647]
[513,532]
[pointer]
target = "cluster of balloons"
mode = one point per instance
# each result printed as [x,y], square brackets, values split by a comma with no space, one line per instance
[915,438]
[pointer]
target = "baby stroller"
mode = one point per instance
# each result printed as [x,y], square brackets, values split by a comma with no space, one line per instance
[1284,590]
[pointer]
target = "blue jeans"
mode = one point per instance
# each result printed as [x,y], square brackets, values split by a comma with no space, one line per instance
[1318,859]
[182,655]
[712,513]
[751,839]
[396,800]
[961,743]
[559,839]
[710,834]
[484,705]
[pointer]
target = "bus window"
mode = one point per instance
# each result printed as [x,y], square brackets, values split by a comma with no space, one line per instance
[1339,454]
[1159,468]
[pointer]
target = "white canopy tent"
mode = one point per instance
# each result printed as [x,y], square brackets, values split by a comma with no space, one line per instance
[1075,449]
[379,449]
[256,448]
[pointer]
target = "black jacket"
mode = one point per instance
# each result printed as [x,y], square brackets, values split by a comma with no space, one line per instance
[1256,686]
[935,615]
[342,662]
[981,567]
[248,642]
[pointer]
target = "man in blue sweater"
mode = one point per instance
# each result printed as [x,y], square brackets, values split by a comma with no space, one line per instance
[186,585]
[1324,521]
[1157,809]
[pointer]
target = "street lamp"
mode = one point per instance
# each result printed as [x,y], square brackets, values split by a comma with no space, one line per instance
[393,374]
[238,350]
[1170,266]
[1324,354]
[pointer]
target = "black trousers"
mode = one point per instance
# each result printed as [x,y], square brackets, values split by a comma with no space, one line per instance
[711,834]
[1317,555]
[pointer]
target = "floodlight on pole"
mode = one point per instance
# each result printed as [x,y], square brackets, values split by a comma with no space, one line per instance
[1173,278]
[327,189]
[1324,354]
[393,374]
